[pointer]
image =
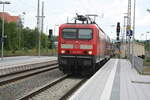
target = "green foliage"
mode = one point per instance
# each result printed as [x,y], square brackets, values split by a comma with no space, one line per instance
[11,33]
[147,59]
[147,62]
[19,38]
[147,45]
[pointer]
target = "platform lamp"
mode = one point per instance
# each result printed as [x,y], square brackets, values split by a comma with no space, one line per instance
[2,40]
[147,41]
[147,32]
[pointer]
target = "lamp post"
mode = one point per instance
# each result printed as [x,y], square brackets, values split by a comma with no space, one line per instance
[147,42]
[141,35]
[147,32]
[146,35]
[2,47]
[112,28]
[55,29]
[124,37]
[133,38]
[20,26]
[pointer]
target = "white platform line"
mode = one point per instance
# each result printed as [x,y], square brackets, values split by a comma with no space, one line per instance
[108,87]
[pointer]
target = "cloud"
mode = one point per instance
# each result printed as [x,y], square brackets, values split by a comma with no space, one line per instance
[57,11]
[144,21]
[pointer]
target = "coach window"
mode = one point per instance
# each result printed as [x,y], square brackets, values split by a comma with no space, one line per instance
[85,34]
[69,33]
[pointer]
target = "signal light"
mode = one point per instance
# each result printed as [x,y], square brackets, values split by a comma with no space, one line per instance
[117,38]
[118,29]
[50,34]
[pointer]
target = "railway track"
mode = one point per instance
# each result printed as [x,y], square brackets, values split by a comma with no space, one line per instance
[31,84]
[71,91]
[33,95]
[6,79]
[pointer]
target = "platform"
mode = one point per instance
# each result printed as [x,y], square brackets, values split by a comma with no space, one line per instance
[21,63]
[116,80]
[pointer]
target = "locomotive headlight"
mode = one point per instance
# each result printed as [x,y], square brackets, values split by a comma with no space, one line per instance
[62,51]
[90,52]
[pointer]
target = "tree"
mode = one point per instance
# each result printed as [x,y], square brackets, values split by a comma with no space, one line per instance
[11,43]
[19,38]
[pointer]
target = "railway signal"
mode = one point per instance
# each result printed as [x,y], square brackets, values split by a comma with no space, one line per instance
[50,34]
[118,33]
[118,30]
[117,38]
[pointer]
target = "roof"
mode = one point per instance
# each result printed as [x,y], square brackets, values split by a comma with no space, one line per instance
[9,18]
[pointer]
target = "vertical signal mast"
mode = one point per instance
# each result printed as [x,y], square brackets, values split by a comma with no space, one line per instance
[129,15]
[129,25]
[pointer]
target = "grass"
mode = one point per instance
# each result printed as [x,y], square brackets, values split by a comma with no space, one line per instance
[147,69]
[146,65]
[31,52]
[147,62]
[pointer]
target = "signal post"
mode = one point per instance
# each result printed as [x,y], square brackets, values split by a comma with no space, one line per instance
[118,41]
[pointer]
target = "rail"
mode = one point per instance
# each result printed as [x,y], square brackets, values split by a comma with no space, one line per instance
[4,71]
[21,75]
[42,88]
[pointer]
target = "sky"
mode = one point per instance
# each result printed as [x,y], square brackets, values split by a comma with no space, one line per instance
[110,12]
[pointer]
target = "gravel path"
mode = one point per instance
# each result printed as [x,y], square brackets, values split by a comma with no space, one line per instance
[57,91]
[17,89]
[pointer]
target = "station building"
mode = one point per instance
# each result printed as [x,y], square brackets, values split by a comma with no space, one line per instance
[8,18]
[139,49]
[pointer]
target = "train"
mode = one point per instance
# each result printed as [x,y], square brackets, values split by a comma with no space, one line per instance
[82,45]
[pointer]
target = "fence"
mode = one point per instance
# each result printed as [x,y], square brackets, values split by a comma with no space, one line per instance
[138,64]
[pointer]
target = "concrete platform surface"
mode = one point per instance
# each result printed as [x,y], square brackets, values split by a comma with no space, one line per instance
[21,63]
[116,80]
[19,60]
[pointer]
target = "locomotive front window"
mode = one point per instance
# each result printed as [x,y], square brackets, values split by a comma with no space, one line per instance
[85,34]
[70,33]
[77,33]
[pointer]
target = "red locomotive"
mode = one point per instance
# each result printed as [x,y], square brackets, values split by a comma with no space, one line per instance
[81,46]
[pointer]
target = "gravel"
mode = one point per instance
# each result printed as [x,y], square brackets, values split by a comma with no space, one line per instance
[19,88]
[57,91]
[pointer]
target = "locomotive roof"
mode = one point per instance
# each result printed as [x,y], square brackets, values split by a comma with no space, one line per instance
[83,26]
[90,25]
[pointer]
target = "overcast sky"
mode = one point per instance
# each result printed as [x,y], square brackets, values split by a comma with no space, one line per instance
[110,12]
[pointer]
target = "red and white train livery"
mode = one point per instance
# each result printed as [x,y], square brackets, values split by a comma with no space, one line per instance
[81,46]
